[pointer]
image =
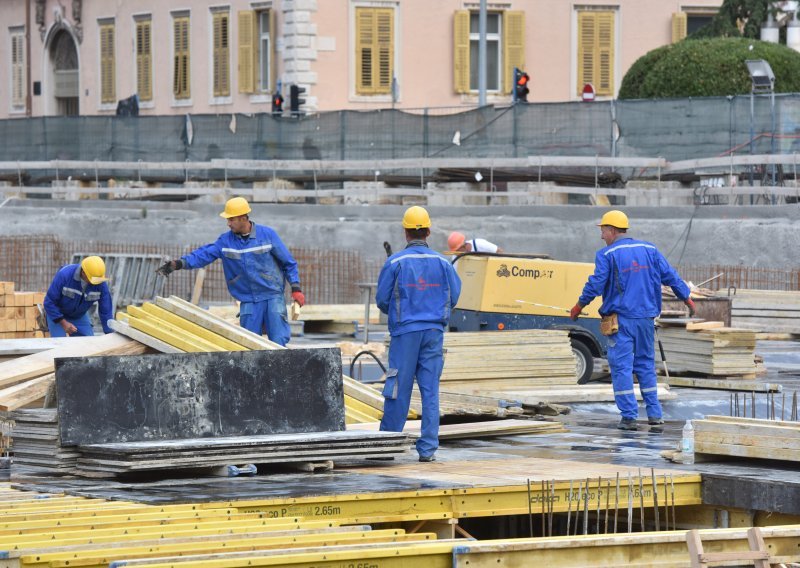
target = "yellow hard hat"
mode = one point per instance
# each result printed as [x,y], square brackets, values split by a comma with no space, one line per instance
[616,219]
[416,218]
[95,269]
[235,207]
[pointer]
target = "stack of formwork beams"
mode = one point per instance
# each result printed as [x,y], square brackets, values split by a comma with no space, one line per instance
[719,351]
[747,438]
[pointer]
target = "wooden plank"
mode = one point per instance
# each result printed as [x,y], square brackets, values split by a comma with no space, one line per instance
[38,364]
[25,393]
[142,337]
[723,384]
[696,326]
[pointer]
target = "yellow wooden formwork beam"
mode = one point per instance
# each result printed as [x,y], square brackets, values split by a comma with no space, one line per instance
[399,555]
[141,314]
[103,557]
[228,538]
[192,328]
[176,339]
[142,516]
[364,409]
[96,512]
[152,531]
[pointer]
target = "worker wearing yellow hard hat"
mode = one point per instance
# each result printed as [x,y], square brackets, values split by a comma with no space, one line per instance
[257,266]
[628,274]
[75,289]
[417,288]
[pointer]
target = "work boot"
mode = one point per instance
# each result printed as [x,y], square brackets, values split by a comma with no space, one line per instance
[430,458]
[627,424]
[655,421]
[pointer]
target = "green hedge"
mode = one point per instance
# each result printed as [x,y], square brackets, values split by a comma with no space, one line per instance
[707,68]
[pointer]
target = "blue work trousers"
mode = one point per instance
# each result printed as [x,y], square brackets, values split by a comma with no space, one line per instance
[267,316]
[631,350]
[83,323]
[416,354]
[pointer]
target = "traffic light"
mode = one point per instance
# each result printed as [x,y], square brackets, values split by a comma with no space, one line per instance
[294,99]
[277,104]
[521,90]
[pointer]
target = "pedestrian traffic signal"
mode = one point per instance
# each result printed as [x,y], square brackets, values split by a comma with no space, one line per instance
[277,104]
[521,89]
[294,99]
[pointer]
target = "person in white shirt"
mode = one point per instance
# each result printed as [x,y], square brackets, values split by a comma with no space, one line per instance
[458,243]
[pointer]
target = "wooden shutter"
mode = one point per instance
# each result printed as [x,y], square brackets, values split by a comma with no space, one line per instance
[181,85]
[596,52]
[221,55]
[374,50]
[461,51]
[605,49]
[513,46]
[144,60]
[679,22]
[17,70]
[107,65]
[247,50]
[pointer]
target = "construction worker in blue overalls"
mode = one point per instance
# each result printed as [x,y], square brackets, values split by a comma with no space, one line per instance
[628,274]
[257,265]
[417,288]
[72,293]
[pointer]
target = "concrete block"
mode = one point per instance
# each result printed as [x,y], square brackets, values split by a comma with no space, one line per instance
[68,190]
[368,192]
[269,191]
[299,41]
[300,29]
[536,193]
[297,16]
[654,193]
[457,194]
[223,193]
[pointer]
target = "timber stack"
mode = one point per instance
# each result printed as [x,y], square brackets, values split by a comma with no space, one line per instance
[18,313]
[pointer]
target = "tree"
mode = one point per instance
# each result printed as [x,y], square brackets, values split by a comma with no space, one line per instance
[736,18]
[708,67]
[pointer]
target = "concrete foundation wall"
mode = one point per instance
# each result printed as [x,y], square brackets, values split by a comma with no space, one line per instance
[752,236]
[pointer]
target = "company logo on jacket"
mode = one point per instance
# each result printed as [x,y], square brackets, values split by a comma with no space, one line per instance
[636,267]
[422,285]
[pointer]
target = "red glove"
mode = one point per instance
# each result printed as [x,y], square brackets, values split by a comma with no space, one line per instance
[299,297]
[690,304]
[575,312]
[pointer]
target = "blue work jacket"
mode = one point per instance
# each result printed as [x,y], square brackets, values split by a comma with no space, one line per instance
[67,297]
[256,267]
[628,274]
[417,288]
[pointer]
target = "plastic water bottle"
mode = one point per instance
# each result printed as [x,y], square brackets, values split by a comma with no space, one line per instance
[687,443]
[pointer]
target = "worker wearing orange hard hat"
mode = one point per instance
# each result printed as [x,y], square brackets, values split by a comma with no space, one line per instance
[458,242]
[257,266]
[75,289]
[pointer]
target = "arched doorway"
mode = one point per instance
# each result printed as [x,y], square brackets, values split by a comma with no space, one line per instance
[63,59]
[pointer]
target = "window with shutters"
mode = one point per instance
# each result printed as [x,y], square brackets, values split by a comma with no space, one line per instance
[221,57]
[596,51]
[374,50]
[18,71]
[505,49]
[144,58]
[108,91]
[181,77]
[690,20]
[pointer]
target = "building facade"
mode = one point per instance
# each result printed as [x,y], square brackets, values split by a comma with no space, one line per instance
[80,57]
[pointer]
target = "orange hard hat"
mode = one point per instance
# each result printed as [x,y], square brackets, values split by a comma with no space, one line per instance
[456,240]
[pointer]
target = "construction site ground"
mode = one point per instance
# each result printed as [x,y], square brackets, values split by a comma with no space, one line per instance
[406,490]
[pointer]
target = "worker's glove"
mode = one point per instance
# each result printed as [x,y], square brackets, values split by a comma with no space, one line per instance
[298,296]
[169,267]
[690,304]
[575,312]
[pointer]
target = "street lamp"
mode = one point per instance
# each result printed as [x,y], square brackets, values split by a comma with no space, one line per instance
[762,81]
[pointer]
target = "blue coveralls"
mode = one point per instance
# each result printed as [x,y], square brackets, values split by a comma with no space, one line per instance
[70,298]
[256,268]
[628,274]
[417,288]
